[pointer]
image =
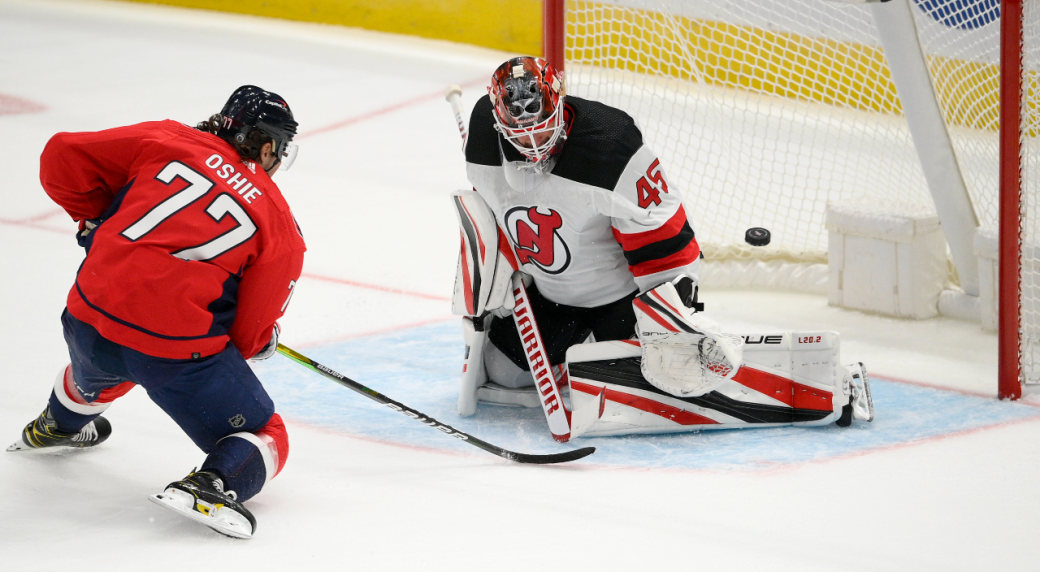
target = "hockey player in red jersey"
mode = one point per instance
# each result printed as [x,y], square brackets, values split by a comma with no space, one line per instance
[568,193]
[192,256]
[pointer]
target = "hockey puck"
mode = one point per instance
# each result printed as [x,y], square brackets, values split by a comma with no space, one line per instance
[757,236]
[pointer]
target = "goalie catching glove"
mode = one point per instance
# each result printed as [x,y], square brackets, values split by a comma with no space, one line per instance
[684,354]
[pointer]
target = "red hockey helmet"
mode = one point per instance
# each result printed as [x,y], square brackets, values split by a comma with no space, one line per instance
[528,96]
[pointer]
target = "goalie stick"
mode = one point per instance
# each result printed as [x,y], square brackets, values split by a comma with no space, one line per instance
[473,364]
[454,97]
[431,422]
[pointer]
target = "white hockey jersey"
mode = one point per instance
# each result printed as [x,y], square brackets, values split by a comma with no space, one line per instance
[602,223]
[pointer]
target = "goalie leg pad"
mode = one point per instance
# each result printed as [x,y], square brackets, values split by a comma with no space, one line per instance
[473,372]
[770,389]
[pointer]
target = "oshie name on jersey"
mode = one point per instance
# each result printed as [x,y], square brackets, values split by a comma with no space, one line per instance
[239,183]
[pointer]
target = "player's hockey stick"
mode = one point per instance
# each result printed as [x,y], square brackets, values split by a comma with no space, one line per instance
[431,422]
[473,365]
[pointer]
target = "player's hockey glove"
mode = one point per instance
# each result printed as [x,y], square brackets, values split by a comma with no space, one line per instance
[271,348]
[83,237]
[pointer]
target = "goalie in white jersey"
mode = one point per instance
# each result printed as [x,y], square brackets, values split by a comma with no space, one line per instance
[566,191]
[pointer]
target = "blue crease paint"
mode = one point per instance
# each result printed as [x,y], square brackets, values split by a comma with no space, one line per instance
[420,367]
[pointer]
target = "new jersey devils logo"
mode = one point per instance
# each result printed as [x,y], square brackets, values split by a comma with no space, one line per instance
[536,238]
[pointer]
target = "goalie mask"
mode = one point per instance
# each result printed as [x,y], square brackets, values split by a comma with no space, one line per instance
[250,109]
[527,94]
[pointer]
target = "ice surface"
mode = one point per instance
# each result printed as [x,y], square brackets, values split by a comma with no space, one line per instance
[942,481]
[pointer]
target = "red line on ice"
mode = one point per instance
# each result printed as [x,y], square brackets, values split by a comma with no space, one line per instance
[913,443]
[375,287]
[945,388]
[383,111]
[34,222]
[375,332]
[11,105]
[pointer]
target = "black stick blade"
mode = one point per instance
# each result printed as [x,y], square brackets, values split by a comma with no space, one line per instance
[564,457]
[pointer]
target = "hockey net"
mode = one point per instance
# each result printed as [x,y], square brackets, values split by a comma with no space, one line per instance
[765,111]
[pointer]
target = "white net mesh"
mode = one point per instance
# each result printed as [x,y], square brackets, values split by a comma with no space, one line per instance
[1030,194]
[962,44]
[762,111]
[962,41]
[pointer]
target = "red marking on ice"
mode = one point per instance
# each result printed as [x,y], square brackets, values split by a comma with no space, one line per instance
[11,105]
[439,94]
[904,445]
[375,287]
[778,468]
[945,388]
[374,332]
[34,222]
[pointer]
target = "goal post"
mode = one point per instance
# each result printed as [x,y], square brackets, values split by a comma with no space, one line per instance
[769,112]
[1010,237]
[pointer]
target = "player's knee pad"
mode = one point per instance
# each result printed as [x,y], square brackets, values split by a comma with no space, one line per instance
[247,461]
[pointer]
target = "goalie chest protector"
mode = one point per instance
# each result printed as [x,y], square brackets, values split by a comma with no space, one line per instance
[565,225]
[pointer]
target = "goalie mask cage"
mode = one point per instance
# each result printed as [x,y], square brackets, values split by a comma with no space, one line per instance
[765,111]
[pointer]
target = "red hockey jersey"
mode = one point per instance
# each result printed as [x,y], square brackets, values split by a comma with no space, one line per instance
[196,247]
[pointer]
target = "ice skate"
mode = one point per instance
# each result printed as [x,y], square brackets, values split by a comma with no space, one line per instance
[43,433]
[201,497]
[857,387]
[861,401]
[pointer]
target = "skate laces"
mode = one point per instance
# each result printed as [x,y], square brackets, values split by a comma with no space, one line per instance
[87,433]
[218,484]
